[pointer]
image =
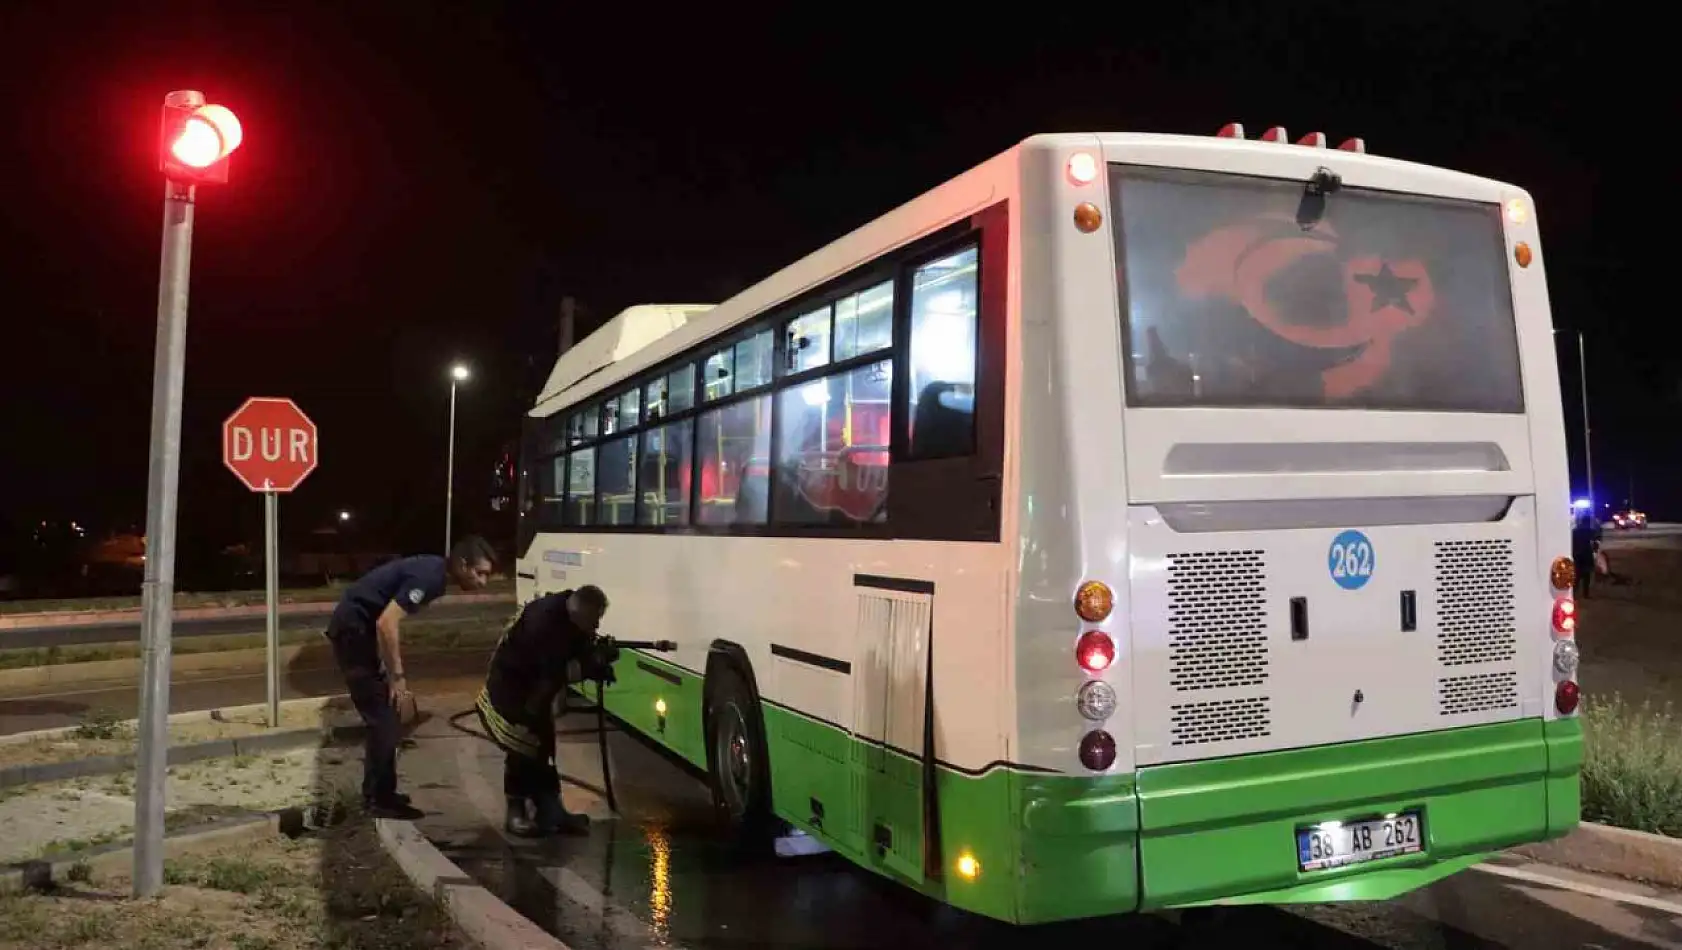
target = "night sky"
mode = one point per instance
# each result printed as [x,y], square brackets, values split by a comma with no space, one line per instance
[422,182]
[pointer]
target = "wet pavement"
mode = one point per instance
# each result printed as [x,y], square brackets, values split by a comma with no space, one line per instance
[661,875]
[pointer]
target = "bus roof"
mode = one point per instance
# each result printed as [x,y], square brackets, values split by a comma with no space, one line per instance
[631,330]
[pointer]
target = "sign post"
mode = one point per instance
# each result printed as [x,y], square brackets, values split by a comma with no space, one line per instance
[271,446]
[271,572]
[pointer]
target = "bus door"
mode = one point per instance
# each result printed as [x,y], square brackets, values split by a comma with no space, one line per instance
[890,721]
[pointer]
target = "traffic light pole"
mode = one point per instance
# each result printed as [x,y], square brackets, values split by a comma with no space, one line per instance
[158,591]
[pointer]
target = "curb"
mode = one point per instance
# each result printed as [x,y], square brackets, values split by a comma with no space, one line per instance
[42,872]
[477,913]
[1620,852]
[224,714]
[177,755]
[132,615]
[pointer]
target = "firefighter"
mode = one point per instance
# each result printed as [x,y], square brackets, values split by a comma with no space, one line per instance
[527,672]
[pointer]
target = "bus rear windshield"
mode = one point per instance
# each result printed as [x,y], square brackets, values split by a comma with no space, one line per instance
[1253,292]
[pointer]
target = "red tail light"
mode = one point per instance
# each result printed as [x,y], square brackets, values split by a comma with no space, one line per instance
[1095,651]
[1565,616]
[1566,696]
[1097,750]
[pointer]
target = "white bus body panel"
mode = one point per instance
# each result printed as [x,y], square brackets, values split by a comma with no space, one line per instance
[1218,671]
[800,592]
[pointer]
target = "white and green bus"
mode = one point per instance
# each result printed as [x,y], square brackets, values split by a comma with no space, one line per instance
[1131,522]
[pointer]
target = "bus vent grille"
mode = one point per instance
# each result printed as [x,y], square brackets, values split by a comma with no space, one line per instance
[1221,720]
[1217,620]
[1477,692]
[1476,613]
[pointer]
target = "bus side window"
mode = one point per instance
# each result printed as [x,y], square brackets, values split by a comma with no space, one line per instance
[944,330]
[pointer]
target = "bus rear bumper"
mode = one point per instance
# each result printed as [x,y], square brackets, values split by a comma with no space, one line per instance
[1224,831]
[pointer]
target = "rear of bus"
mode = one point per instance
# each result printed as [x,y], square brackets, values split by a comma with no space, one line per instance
[1310,467]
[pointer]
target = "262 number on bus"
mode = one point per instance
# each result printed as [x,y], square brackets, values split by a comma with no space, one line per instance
[1352,560]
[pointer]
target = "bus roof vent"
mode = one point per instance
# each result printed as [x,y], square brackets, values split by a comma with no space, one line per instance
[631,330]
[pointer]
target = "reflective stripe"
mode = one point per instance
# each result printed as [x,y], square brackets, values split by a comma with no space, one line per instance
[511,736]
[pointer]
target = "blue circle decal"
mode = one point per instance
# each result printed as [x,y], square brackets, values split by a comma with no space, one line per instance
[1351,560]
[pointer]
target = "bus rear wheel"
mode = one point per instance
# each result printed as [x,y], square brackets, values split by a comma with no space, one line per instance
[738,767]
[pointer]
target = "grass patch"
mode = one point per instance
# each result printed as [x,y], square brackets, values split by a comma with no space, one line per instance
[336,888]
[101,724]
[1632,772]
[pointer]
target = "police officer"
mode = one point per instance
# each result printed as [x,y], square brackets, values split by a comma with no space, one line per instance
[365,634]
[528,671]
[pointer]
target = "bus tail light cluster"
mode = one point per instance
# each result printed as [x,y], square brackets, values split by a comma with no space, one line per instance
[1082,170]
[1562,574]
[1094,652]
[1277,134]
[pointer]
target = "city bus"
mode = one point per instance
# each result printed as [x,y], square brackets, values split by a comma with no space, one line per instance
[1133,522]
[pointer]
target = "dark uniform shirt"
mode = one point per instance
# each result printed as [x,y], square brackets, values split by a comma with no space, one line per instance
[529,668]
[412,582]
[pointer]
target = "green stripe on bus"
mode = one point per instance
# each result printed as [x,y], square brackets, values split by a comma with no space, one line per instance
[1055,847]
[1225,828]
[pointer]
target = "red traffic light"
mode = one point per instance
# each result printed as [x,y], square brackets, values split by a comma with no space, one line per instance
[197,139]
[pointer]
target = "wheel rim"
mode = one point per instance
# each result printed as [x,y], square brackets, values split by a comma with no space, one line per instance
[735,759]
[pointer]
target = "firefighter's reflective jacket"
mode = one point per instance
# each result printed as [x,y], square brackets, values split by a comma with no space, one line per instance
[527,672]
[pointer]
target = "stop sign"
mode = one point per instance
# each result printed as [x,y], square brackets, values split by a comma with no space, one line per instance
[270,444]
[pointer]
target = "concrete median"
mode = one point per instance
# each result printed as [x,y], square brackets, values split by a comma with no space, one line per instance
[477,913]
[1634,855]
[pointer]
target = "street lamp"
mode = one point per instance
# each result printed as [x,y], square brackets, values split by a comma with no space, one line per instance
[1583,380]
[344,516]
[459,374]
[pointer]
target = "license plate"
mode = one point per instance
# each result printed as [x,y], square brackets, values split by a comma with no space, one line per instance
[1336,844]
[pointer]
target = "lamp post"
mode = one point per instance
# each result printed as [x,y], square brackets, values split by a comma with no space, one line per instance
[1583,381]
[459,374]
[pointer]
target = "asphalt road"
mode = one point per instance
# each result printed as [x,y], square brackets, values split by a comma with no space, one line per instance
[318,677]
[1655,535]
[444,609]
[662,876]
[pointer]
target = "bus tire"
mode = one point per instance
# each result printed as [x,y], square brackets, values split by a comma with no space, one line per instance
[738,767]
